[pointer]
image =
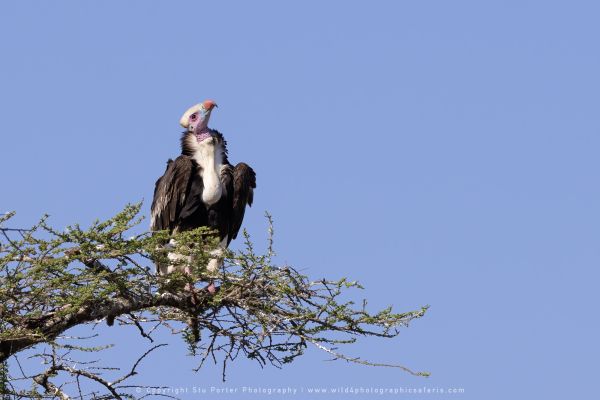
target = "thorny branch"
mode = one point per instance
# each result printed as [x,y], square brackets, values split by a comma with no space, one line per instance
[51,281]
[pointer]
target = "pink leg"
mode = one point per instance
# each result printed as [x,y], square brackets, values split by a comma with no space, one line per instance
[190,287]
[212,289]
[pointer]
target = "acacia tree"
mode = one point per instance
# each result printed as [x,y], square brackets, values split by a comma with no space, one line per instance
[53,280]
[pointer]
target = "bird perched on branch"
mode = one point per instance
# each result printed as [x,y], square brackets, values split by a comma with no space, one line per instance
[201,188]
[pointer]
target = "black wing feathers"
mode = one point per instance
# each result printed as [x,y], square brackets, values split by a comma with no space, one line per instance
[171,192]
[244,183]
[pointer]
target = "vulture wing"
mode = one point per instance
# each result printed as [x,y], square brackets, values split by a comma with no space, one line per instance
[171,193]
[244,183]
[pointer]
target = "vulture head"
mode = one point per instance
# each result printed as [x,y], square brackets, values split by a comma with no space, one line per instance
[195,119]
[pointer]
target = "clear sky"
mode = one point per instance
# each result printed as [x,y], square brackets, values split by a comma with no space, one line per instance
[440,152]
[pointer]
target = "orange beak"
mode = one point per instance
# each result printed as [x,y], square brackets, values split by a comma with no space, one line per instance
[209,104]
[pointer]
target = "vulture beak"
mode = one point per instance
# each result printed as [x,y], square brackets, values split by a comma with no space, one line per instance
[209,104]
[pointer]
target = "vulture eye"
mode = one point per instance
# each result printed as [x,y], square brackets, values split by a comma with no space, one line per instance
[194,117]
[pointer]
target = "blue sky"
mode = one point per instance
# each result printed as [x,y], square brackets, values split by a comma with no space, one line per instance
[441,153]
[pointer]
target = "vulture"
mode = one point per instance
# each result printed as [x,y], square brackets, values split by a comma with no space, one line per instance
[201,188]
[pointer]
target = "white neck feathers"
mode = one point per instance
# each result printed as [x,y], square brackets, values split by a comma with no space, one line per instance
[209,157]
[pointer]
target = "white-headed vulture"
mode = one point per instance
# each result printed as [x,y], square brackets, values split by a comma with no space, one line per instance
[200,187]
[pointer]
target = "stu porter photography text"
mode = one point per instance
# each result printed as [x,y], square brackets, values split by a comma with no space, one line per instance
[291,390]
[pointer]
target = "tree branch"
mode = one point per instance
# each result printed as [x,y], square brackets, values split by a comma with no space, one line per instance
[52,281]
